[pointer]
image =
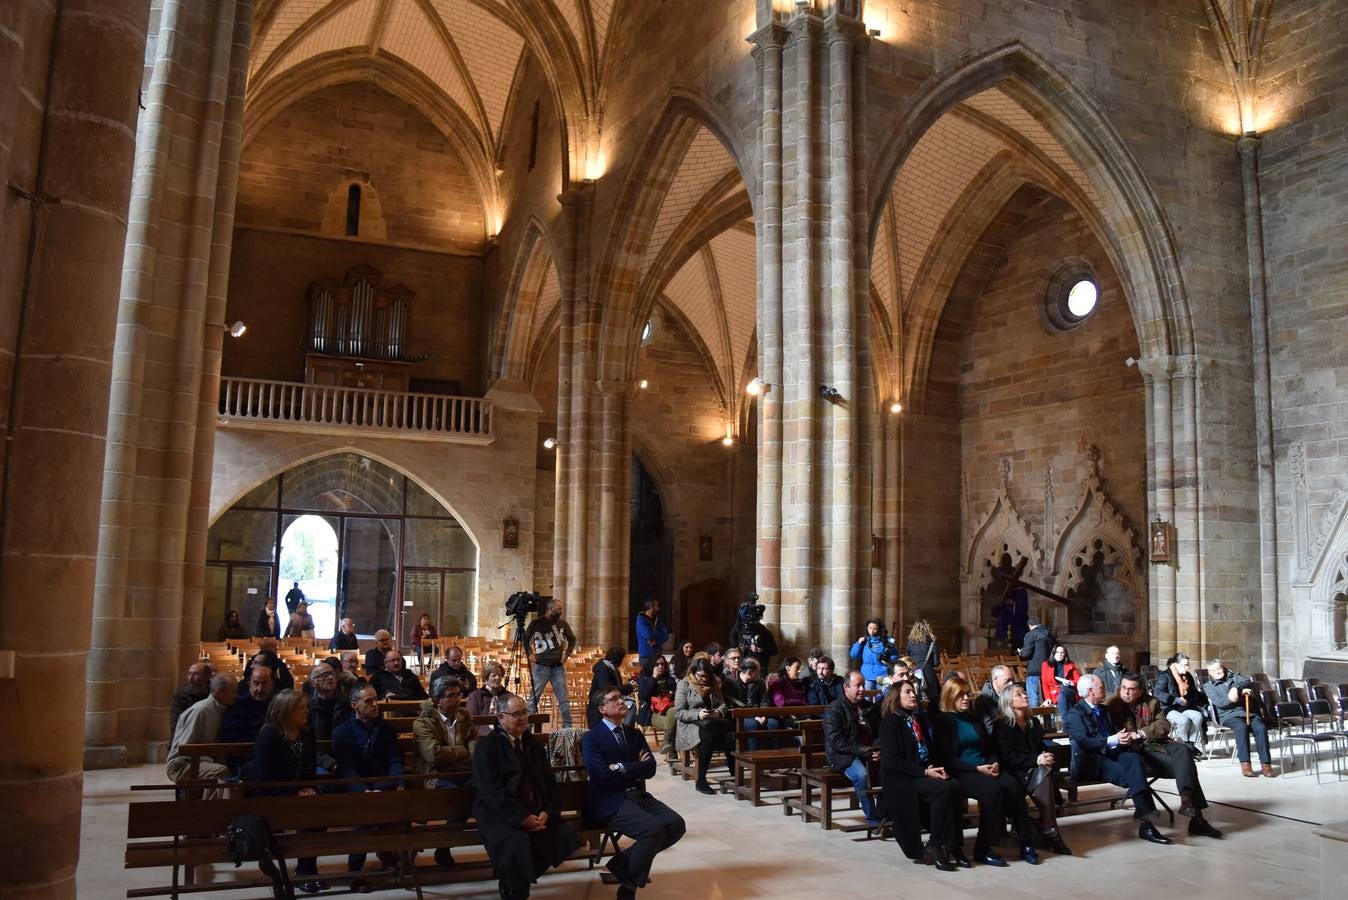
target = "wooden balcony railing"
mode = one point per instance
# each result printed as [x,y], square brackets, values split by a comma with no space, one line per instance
[252,402]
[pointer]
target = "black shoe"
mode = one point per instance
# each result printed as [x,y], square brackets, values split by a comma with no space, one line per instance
[1053,841]
[1186,807]
[1027,853]
[1204,828]
[626,893]
[704,788]
[958,858]
[361,886]
[936,856]
[444,857]
[313,887]
[1148,832]
[989,858]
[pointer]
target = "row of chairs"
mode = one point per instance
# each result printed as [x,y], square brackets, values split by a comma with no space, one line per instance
[1304,716]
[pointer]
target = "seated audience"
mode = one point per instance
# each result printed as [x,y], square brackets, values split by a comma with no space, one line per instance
[329,706]
[1059,676]
[268,623]
[366,746]
[716,654]
[301,623]
[730,671]
[849,739]
[680,659]
[201,723]
[811,664]
[268,654]
[248,714]
[605,674]
[374,657]
[232,629]
[785,688]
[284,751]
[345,638]
[703,720]
[655,696]
[1030,758]
[197,688]
[424,634]
[1232,694]
[1183,702]
[986,704]
[443,734]
[911,778]
[1110,671]
[394,682]
[516,806]
[617,764]
[901,670]
[453,665]
[482,702]
[1100,750]
[826,686]
[349,676]
[1161,755]
[969,754]
[753,695]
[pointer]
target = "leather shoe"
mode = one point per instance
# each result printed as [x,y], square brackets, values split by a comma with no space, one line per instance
[704,788]
[1186,807]
[958,858]
[444,857]
[1203,827]
[313,887]
[1055,843]
[1267,771]
[360,886]
[936,856]
[989,858]
[1247,770]
[1148,832]
[1027,853]
[626,892]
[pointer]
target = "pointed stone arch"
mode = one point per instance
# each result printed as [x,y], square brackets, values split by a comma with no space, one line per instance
[516,325]
[1001,531]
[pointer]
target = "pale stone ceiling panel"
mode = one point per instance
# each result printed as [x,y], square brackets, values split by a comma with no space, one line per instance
[688,290]
[548,298]
[289,16]
[570,10]
[704,164]
[489,48]
[995,103]
[882,270]
[736,270]
[348,28]
[602,11]
[414,38]
[942,164]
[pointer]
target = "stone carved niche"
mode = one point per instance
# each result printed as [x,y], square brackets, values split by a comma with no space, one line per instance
[1097,563]
[1322,590]
[993,549]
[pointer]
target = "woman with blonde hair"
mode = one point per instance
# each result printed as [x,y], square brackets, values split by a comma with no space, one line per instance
[926,655]
[703,719]
[1027,756]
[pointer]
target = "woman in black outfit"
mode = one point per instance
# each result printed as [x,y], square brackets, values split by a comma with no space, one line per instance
[232,629]
[965,747]
[911,777]
[284,751]
[1028,757]
[681,659]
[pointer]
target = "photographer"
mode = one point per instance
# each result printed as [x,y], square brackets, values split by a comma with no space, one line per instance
[874,652]
[549,640]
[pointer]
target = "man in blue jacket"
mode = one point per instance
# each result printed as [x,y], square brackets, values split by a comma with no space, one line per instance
[618,762]
[366,746]
[651,632]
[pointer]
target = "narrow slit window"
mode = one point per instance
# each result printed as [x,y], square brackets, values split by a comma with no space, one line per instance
[353,210]
[533,137]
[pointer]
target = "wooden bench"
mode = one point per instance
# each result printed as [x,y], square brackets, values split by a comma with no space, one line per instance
[181,834]
[820,787]
[754,768]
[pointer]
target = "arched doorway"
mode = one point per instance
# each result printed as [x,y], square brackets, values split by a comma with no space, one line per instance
[395,543]
[651,563]
[309,560]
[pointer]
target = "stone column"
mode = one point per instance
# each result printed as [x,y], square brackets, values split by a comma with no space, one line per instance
[608,599]
[1156,375]
[154,419]
[1190,635]
[69,145]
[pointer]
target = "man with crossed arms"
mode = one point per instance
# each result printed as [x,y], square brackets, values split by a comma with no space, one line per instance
[618,763]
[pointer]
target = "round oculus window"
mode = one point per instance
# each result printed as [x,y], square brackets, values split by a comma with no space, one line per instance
[1081,299]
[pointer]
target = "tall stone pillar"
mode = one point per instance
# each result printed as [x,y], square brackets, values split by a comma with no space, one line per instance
[817,258]
[612,454]
[67,123]
[169,328]
[1157,373]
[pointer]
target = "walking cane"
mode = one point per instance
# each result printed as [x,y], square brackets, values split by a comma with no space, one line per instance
[1247,708]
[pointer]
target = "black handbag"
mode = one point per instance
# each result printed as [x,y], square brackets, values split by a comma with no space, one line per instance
[249,837]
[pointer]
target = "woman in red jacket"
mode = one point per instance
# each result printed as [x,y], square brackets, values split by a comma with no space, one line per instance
[1059,676]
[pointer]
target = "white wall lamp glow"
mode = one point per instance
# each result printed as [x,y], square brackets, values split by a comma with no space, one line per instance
[549,443]
[896,407]
[643,384]
[756,387]
[237,329]
[729,439]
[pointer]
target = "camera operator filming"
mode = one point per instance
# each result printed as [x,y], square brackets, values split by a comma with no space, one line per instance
[549,641]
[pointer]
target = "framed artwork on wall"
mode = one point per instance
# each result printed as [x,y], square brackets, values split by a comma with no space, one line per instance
[510,534]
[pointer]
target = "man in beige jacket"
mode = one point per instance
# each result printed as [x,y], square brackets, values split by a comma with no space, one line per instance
[443,732]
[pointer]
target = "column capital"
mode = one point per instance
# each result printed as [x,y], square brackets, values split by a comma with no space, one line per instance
[1156,367]
[578,193]
[770,37]
[840,27]
[1186,366]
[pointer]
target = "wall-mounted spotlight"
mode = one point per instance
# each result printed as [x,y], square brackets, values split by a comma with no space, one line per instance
[643,384]
[756,387]
[549,443]
[896,407]
[829,393]
[873,32]
[237,329]
[729,439]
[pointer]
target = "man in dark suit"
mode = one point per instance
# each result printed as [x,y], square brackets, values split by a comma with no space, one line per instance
[1099,751]
[618,763]
[516,808]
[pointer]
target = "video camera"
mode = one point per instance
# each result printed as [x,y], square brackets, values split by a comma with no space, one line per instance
[521,604]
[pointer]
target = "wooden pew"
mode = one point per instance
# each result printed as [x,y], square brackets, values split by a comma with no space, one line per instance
[753,767]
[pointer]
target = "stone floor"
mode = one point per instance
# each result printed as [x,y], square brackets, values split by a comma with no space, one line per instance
[733,850]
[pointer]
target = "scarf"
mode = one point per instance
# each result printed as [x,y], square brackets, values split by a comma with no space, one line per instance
[1181,683]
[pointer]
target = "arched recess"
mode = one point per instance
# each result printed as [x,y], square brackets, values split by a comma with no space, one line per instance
[620,278]
[1136,229]
[666,482]
[516,326]
[400,79]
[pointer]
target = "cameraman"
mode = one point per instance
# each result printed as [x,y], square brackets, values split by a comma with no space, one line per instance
[550,641]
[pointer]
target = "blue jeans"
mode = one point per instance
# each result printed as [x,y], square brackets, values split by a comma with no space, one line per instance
[769,724]
[859,775]
[1067,698]
[1035,689]
[556,676]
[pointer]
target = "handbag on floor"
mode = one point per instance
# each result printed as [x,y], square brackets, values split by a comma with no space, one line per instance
[249,837]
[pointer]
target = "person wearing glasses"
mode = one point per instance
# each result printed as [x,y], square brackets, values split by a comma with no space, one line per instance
[617,763]
[517,809]
[443,732]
